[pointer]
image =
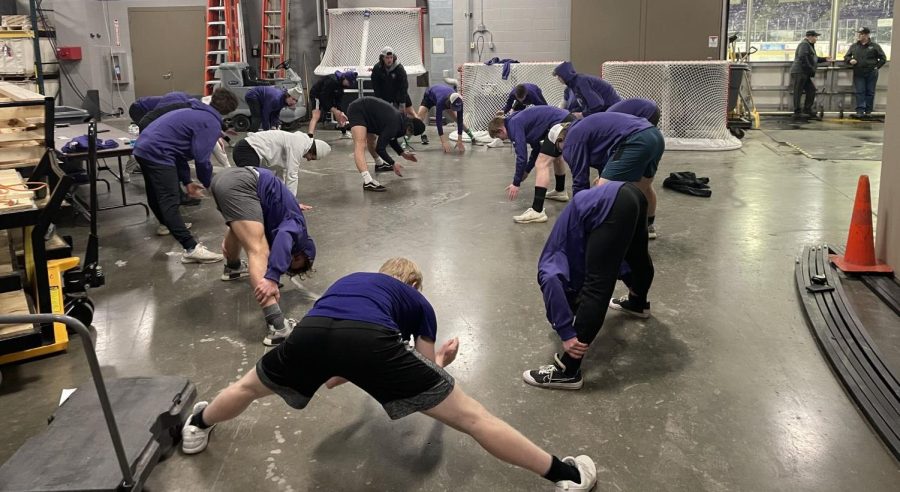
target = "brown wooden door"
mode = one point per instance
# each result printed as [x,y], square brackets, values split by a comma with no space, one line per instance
[167,46]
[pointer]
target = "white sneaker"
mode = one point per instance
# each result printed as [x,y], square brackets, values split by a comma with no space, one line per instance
[200,255]
[651,231]
[162,230]
[530,216]
[560,196]
[275,337]
[193,438]
[346,135]
[586,468]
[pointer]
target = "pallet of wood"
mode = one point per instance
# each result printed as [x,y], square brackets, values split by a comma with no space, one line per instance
[14,302]
[14,193]
[18,23]
[21,128]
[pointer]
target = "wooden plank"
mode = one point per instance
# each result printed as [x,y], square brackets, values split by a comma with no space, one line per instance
[14,303]
[22,116]
[13,154]
[17,93]
[17,136]
[21,164]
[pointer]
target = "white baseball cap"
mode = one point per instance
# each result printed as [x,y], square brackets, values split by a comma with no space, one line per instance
[322,149]
[387,50]
[553,134]
[296,92]
[455,97]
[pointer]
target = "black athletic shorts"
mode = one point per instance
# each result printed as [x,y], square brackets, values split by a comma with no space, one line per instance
[356,115]
[548,147]
[372,357]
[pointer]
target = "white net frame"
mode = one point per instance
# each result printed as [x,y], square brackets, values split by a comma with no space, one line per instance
[692,97]
[357,36]
[484,91]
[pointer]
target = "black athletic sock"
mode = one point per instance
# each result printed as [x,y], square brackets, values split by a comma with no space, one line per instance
[274,317]
[560,470]
[560,182]
[650,220]
[234,265]
[310,135]
[538,203]
[197,420]
[572,364]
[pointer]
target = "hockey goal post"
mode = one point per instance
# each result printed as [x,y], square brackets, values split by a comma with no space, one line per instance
[485,91]
[357,36]
[692,97]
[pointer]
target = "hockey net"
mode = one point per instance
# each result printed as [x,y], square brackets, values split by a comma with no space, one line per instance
[484,90]
[357,36]
[692,97]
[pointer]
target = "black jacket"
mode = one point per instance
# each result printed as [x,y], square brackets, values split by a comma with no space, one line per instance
[805,59]
[868,57]
[392,86]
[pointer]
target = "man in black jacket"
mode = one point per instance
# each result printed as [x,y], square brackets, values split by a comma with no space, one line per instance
[390,82]
[803,70]
[866,57]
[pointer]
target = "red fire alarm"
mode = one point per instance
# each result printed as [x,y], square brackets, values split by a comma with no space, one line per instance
[68,53]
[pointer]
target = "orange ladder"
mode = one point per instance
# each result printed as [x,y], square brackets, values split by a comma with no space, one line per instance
[273,47]
[223,39]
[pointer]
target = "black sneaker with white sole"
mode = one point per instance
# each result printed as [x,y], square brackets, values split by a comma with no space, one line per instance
[552,376]
[242,271]
[275,337]
[374,186]
[383,167]
[424,139]
[626,305]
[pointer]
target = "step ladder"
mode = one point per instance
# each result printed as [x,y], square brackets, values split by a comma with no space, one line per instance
[223,39]
[273,47]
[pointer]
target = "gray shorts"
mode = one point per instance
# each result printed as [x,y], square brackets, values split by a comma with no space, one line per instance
[234,190]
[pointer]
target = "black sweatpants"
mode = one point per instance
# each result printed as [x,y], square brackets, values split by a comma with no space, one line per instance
[803,84]
[255,114]
[164,198]
[622,236]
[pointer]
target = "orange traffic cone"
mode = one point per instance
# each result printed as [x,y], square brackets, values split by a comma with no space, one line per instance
[860,255]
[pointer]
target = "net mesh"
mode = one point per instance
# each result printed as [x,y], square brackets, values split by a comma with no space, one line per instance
[692,96]
[357,36]
[484,90]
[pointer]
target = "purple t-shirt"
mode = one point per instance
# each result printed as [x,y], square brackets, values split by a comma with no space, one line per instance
[379,299]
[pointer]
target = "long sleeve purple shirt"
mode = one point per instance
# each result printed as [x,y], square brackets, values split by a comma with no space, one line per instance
[593,94]
[533,97]
[284,224]
[529,127]
[591,141]
[438,95]
[643,108]
[181,135]
[271,102]
[561,267]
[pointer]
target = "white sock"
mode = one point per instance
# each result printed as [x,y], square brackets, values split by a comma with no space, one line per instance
[367,178]
[379,161]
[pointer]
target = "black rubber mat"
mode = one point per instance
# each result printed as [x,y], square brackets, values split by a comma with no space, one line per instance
[845,343]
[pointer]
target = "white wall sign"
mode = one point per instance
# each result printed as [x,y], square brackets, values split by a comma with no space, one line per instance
[437,45]
[714,41]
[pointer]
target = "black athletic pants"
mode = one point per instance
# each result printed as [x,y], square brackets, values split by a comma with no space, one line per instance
[255,114]
[622,236]
[803,84]
[164,198]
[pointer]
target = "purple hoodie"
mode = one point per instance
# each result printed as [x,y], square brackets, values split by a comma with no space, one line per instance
[529,127]
[643,108]
[437,96]
[147,103]
[150,103]
[561,267]
[284,224]
[533,97]
[271,102]
[181,135]
[592,93]
[591,141]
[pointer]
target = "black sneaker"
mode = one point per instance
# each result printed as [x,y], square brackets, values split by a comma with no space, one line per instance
[625,305]
[383,168]
[424,139]
[552,376]
[374,186]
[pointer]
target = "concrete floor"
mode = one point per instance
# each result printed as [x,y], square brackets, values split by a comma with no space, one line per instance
[723,388]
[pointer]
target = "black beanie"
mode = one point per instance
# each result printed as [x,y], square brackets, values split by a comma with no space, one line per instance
[418,127]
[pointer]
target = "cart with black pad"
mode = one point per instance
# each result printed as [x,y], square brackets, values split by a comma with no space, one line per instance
[143,417]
